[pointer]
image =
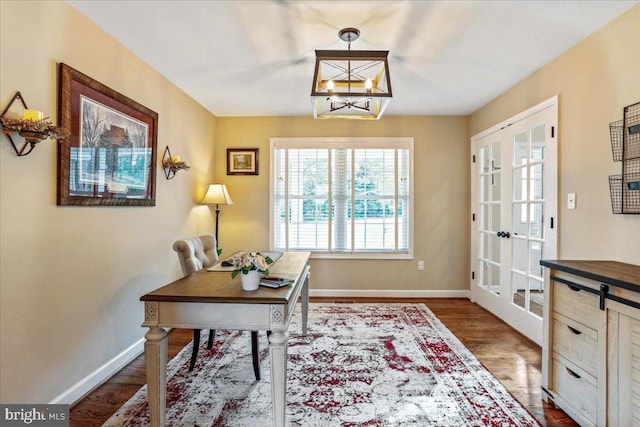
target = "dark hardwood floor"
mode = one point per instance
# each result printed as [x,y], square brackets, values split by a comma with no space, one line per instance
[509,356]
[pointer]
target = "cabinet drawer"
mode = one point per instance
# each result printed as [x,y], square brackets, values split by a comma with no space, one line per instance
[576,342]
[577,387]
[581,306]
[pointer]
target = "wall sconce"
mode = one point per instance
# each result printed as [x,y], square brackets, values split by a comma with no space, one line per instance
[172,164]
[32,126]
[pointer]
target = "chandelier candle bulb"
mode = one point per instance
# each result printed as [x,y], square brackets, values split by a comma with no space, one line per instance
[34,115]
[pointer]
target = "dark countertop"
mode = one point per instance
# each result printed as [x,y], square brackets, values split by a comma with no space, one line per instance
[612,273]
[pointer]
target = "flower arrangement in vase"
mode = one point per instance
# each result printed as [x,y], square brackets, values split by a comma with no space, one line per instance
[252,265]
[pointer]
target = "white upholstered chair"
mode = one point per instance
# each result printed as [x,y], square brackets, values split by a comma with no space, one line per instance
[196,253]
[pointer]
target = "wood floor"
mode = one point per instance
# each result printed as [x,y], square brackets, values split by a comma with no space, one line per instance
[509,356]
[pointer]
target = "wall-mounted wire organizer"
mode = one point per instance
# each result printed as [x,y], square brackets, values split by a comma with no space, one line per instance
[625,144]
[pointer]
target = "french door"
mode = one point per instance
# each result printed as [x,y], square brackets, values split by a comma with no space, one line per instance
[514,219]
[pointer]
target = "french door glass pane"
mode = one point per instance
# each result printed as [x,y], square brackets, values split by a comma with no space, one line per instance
[494,248]
[495,279]
[495,186]
[485,185]
[484,159]
[537,142]
[519,290]
[535,255]
[495,156]
[520,189]
[484,245]
[520,219]
[520,147]
[535,183]
[536,296]
[485,275]
[520,257]
[484,216]
[536,218]
[495,217]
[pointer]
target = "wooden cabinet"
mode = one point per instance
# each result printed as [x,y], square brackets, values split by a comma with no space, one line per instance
[624,364]
[591,342]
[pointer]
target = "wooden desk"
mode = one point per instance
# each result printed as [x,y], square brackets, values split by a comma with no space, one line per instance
[213,300]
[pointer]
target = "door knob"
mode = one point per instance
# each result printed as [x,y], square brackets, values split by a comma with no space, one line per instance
[500,234]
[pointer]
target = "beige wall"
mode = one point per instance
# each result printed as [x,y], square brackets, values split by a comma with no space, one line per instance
[441,199]
[71,277]
[594,80]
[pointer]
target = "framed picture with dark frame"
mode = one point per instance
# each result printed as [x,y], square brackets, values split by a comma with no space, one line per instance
[242,161]
[110,157]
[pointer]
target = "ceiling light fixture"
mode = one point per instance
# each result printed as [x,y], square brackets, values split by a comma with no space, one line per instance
[350,84]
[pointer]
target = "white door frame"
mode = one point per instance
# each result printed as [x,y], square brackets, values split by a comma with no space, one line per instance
[500,305]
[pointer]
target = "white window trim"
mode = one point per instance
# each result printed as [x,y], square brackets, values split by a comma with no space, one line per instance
[345,142]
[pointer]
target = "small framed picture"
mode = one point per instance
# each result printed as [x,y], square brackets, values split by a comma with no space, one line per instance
[242,161]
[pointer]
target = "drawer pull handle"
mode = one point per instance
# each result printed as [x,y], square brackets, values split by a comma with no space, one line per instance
[574,288]
[573,374]
[574,330]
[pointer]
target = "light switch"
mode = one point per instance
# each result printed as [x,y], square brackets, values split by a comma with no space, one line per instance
[571,201]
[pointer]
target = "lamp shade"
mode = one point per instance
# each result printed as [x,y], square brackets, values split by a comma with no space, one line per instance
[217,194]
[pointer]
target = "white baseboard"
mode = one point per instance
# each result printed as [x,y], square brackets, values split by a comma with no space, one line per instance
[373,293]
[100,375]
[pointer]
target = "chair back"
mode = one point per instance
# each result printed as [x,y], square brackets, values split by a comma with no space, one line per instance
[196,253]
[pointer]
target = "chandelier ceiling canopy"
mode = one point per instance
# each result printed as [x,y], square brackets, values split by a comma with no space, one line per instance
[350,84]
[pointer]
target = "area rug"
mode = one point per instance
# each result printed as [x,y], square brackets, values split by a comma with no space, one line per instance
[373,365]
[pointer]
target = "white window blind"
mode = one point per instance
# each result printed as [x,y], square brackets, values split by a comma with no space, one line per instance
[342,196]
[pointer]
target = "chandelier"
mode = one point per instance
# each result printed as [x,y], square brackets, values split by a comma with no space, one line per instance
[350,84]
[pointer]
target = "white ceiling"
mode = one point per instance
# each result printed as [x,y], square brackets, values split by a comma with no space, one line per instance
[256,58]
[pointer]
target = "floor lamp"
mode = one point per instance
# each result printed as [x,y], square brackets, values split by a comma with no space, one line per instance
[217,194]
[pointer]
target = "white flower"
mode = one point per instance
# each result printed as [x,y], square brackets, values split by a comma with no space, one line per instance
[261,262]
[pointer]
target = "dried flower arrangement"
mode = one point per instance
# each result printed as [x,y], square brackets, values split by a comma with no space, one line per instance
[174,165]
[33,129]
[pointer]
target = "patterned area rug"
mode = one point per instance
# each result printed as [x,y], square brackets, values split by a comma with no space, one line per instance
[360,365]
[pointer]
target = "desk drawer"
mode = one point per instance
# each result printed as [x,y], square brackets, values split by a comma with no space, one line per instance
[577,387]
[576,342]
[581,306]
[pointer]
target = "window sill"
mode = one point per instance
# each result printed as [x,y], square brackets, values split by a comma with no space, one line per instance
[361,256]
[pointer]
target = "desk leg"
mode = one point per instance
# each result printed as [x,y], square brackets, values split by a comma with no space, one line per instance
[278,343]
[155,353]
[305,305]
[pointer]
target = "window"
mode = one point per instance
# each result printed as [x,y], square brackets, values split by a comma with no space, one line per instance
[347,197]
